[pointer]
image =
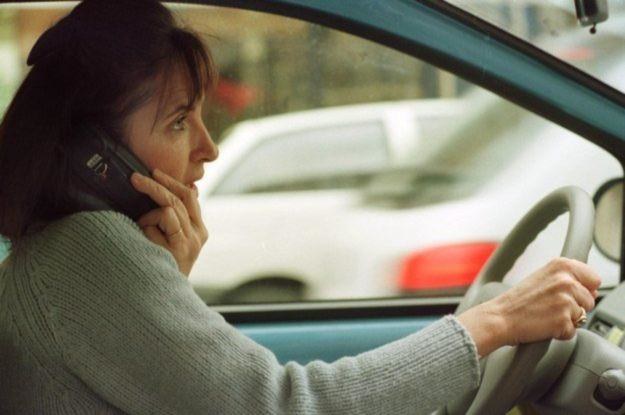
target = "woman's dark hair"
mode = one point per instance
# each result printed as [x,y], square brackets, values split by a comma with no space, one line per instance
[96,65]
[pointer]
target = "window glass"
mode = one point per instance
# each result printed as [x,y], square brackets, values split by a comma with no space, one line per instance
[350,170]
[552,26]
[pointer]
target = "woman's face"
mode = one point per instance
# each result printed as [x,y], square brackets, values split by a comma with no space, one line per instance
[173,138]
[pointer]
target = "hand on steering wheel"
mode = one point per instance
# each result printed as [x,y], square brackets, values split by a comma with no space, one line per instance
[548,303]
[545,306]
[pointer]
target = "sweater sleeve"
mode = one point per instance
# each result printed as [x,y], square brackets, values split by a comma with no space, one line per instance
[132,329]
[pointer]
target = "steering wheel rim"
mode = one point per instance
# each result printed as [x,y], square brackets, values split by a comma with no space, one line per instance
[520,362]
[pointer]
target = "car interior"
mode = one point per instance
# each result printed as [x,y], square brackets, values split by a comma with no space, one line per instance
[318,256]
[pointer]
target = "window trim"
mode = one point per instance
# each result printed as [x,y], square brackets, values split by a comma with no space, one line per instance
[333,309]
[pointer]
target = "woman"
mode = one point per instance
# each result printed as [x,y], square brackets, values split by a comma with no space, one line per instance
[95,313]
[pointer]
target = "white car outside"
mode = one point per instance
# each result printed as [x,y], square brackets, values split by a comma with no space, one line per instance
[277,177]
[443,187]
[359,245]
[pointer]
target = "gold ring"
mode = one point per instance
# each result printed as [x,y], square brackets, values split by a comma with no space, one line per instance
[582,319]
[175,233]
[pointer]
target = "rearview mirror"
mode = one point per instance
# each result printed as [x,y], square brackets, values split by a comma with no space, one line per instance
[591,12]
[609,218]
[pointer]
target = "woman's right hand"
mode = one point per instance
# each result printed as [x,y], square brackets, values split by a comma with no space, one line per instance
[177,225]
[544,305]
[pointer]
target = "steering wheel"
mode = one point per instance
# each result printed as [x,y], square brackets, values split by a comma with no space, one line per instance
[506,372]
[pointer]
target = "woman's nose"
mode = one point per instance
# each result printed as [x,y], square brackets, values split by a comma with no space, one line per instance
[208,150]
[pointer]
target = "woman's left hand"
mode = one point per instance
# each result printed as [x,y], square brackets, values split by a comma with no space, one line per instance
[545,305]
[177,225]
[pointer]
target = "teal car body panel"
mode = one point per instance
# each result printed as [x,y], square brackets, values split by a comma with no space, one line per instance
[4,249]
[328,341]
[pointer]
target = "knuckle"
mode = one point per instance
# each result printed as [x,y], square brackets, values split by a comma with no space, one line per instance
[197,244]
[554,264]
[572,302]
[177,203]
[579,265]
[559,264]
[564,280]
[183,195]
[202,234]
[154,186]
[569,283]
[171,199]
[595,280]
[146,181]
[569,331]
[590,305]
[563,300]
[589,302]
[169,212]
[565,318]
[565,330]
[562,303]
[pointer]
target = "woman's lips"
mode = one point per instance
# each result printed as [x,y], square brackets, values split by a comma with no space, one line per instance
[191,184]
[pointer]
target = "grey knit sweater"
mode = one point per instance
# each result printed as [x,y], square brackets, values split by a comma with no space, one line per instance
[95,318]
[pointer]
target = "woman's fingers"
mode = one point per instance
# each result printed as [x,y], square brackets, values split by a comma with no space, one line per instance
[189,198]
[155,235]
[164,198]
[177,224]
[164,219]
[152,188]
[550,302]
[579,283]
[583,297]
[587,282]
[567,331]
[584,274]
[186,195]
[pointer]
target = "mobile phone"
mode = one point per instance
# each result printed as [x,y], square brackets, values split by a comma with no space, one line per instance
[101,168]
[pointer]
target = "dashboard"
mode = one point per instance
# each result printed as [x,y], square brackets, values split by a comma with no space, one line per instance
[608,320]
[594,379]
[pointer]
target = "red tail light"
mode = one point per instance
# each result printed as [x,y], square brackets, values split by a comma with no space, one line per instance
[576,54]
[444,266]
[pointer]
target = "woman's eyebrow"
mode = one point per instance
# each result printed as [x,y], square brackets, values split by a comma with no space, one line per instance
[177,109]
[158,119]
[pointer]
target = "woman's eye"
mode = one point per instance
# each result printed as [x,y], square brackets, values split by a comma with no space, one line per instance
[180,124]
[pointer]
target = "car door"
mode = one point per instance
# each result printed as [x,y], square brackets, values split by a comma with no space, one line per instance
[425,223]
[373,245]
